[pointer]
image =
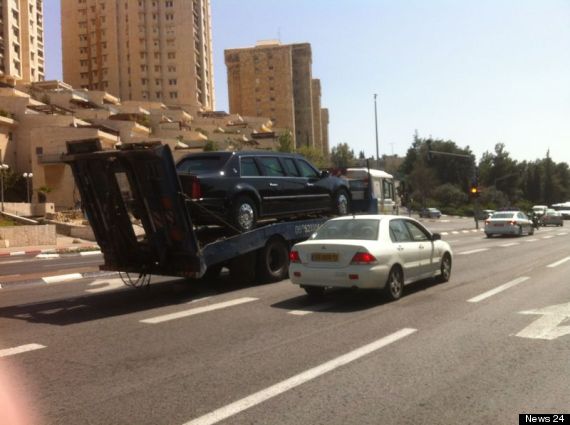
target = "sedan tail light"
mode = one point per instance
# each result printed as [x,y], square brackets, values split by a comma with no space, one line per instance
[196,192]
[294,257]
[363,258]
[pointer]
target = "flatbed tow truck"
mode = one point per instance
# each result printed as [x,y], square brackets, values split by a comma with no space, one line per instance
[138,183]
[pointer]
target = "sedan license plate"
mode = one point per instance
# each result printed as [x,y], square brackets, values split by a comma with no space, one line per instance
[499,224]
[329,257]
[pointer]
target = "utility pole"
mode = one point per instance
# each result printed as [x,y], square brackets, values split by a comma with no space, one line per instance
[376,126]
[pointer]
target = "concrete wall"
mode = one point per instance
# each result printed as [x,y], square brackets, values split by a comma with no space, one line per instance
[27,235]
[24,209]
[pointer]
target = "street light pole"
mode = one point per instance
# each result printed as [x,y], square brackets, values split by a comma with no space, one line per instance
[2,168]
[376,127]
[28,177]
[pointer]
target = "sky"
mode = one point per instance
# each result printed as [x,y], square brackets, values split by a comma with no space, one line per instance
[477,72]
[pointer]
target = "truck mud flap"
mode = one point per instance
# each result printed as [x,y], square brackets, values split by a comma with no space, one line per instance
[133,201]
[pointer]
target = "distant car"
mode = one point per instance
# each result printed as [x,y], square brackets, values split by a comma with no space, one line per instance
[539,210]
[552,218]
[508,223]
[369,251]
[484,214]
[430,213]
[238,188]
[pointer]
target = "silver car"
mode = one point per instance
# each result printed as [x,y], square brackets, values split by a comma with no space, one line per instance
[508,223]
[552,218]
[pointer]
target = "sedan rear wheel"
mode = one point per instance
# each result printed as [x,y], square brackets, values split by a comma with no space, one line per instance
[342,202]
[244,213]
[395,284]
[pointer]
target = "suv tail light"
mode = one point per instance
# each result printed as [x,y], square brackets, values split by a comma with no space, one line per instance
[294,257]
[196,191]
[363,258]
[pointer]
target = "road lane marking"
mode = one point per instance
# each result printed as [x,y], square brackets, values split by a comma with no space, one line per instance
[303,377]
[455,232]
[556,264]
[47,256]
[87,253]
[498,289]
[561,234]
[509,244]
[311,309]
[62,278]
[21,349]
[445,233]
[474,231]
[473,251]
[531,240]
[548,237]
[198,310]
[548,325]
[465,231]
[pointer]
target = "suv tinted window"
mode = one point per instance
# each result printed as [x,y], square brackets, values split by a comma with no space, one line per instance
[201,164]
[271,166]
[249,167]
[290,167]
[306,169]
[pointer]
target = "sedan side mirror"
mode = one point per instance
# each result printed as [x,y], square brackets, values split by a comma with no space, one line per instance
[324,173]
[435,237]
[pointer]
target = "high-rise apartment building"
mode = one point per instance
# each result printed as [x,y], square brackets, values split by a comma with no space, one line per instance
[275,80]
[21,41]
[150,50]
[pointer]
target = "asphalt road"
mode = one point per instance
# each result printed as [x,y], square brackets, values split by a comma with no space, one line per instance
[490,344]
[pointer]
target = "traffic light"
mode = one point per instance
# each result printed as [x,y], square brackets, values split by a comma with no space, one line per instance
[474,191]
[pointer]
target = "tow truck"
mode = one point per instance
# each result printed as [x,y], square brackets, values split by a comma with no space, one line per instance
[133,201]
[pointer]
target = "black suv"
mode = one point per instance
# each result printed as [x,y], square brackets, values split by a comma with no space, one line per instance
[237,188]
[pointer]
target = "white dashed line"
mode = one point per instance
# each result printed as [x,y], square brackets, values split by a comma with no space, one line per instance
[473,251]
[548,237]
[498,289]
[474,231]
[311,309]
[556,264]
[198,310]
[288,384]
[21,349]
[561,234]
[465,231]
[87,253]
[530,240]
[62,278]
[445,233]
[505,245]
[47,256]
[455,232]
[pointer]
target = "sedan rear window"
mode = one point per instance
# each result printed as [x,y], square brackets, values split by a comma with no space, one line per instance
[364,229]
[502,215]
[201,165]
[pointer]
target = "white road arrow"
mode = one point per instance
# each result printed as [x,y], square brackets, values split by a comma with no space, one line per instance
[547,326]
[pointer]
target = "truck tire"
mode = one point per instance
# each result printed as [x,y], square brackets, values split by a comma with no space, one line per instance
[273,261]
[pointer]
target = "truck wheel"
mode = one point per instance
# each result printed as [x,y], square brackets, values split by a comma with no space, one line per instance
[273,261]
[341,201]
[243,213]
[242,268]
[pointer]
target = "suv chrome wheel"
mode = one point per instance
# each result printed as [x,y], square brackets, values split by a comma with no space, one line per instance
[342,203]
[245,216]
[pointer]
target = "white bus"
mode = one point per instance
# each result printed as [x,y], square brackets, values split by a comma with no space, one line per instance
[372,190]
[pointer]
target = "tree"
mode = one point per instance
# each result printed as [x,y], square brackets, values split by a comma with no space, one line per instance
[285,141]
[210,146]
[342,156]
[314,155]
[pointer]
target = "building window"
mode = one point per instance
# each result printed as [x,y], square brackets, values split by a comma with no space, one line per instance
[157,68]
[171,55]
[172,82]
[144,81]
[171,68]
[173,95]
[157,81]
[158,95]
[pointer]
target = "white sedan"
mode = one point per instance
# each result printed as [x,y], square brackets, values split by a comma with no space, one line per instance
[369,251]
[508,223]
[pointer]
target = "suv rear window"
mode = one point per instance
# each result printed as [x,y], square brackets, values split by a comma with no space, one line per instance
[201,164]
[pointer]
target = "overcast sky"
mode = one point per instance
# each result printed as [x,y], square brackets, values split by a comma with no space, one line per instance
[475,72]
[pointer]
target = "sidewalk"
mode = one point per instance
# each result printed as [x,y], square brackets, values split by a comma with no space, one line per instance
[64,244]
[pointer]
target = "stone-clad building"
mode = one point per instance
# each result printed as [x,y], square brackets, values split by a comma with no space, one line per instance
[21,41]
[275,80]
[144,50]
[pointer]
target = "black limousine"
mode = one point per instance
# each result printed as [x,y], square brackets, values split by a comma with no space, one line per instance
[236,189]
